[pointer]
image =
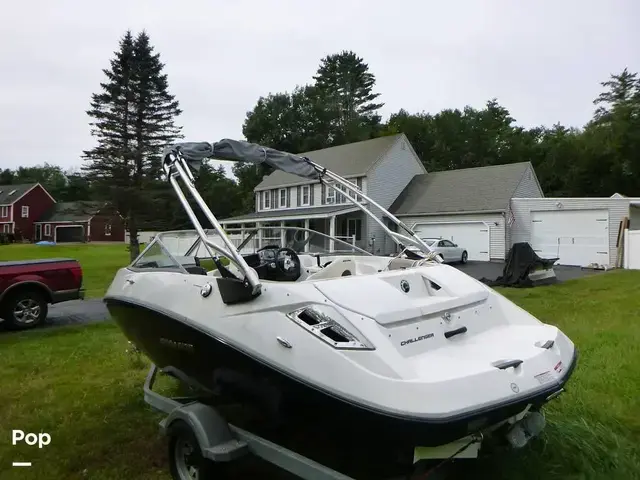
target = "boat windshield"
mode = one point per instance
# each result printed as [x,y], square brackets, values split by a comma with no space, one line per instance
[173,249]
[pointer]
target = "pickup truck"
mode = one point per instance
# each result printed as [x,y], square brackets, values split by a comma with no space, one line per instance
[27,288]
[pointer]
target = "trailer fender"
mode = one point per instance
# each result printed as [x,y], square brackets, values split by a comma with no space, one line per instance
[214,437]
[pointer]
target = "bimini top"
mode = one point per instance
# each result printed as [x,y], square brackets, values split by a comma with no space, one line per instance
[240,151]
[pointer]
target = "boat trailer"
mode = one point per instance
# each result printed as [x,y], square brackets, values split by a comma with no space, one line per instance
[201,440]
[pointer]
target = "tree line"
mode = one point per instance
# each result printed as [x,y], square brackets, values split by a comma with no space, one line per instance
[133,115]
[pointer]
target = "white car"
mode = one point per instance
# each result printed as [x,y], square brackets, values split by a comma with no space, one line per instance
[449,251]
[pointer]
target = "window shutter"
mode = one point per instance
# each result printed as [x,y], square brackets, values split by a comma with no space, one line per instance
[260,201]
[273,199]
[288,197]
[298,195]
[323,194]
[312,189]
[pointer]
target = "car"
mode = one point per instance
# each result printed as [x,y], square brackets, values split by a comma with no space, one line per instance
[28,287]
[449,251]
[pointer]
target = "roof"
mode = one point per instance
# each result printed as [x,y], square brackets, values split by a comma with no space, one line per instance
[456,191]
[10,193]
[290,212]
[353,159]
[72,212]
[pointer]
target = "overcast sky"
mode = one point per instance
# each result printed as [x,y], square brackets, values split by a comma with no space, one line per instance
[542,60]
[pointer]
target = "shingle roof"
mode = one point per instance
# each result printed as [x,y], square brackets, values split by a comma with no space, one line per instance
[466,190]
[72,211]
[9,193]
[290,212]
[353,159]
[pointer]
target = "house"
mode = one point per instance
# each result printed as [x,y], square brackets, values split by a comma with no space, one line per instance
[486,209]
[381,167]
[470,207]
[30,212]
[20,206]
[82,221]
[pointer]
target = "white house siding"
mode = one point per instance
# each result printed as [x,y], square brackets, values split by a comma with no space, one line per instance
[386,181]
[528,188]
[522,207]
[293,193]
[497,249]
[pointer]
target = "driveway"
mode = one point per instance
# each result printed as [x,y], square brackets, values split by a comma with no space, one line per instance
[93,310]
[493,270]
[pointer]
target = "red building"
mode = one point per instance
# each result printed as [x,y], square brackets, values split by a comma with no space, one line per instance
[30,212]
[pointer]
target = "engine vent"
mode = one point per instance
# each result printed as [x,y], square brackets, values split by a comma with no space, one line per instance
[328,330]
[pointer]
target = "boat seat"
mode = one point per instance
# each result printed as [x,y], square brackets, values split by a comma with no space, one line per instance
[342,268]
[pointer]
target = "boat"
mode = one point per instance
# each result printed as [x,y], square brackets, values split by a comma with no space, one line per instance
[397,354]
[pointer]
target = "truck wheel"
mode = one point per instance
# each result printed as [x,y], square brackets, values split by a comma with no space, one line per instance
[185,456]
[25,309]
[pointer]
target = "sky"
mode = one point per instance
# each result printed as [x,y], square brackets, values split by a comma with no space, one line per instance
[542,60]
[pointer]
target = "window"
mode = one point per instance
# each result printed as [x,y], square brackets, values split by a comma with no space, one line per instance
[266,199]
[47,230]
[283,197]
[25,211]
[331,195]
[4,212]
[354,227]
[107,229]
[447,243]
[304,194]
[6,228]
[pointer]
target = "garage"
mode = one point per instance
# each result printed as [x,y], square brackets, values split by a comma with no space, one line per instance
[576,237]
[473,236]
[69,233]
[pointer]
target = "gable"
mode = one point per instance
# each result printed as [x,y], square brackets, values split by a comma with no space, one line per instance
[350,160]
[465,190]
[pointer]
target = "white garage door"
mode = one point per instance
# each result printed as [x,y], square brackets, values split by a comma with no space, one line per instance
[576,237]
[474,237]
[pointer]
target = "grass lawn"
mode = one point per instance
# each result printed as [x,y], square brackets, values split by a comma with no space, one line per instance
[79,385]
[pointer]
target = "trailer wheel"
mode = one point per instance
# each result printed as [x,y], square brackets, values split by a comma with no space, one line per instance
[186,461]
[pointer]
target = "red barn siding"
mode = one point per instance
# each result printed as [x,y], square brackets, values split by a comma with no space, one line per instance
[38,201]
[98,222]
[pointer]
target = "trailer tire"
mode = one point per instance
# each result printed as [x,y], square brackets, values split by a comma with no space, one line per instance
[185,455]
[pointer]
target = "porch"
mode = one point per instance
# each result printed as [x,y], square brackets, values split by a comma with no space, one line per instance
[344,224]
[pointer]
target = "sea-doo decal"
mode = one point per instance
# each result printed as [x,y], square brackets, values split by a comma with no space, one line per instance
[416,339]
[177,345]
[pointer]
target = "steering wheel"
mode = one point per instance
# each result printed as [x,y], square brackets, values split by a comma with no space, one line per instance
[288,263]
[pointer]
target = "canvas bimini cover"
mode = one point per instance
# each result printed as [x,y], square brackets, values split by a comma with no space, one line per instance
[240,151]
[521,262]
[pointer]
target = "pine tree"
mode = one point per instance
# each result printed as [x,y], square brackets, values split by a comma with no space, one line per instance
[133,118]
[346,86]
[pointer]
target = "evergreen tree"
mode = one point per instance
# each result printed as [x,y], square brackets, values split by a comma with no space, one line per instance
[133,118]
[345,85]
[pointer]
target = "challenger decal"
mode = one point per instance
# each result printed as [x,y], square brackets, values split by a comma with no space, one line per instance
[416,339]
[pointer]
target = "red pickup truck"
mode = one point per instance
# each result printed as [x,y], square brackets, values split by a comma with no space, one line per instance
[27,288]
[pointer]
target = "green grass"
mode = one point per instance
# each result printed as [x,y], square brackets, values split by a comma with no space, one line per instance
[99,262]
[80,385]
